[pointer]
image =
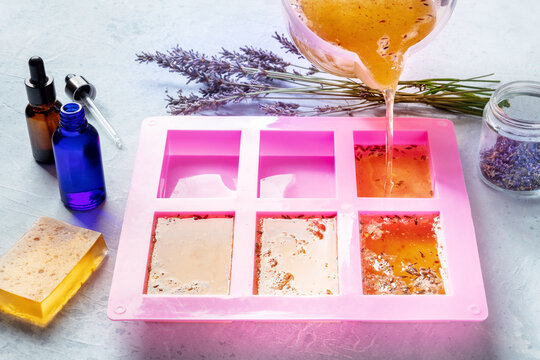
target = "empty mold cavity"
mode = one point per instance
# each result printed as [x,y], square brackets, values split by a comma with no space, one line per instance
[191,254]
[411,164]
[296,254]
[402,254]
[296,164]
[200,164]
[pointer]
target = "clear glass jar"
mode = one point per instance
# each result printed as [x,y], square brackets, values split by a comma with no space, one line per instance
[509,152]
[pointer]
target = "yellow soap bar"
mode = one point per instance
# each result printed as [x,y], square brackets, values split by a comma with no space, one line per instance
[46,267]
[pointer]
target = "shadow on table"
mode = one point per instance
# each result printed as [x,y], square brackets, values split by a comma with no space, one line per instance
[49,168]
[260,340]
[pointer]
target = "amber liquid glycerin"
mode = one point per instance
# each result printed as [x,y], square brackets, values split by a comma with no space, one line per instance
[379,31]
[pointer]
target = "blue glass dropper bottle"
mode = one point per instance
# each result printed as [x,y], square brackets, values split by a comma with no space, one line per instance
[77,155]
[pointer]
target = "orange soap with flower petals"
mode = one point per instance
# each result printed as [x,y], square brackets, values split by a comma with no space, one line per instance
[401,255]
[410,174]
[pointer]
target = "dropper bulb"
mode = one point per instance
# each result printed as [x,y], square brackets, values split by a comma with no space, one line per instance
[37,71]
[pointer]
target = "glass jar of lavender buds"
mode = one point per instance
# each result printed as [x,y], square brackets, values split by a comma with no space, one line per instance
[509,153]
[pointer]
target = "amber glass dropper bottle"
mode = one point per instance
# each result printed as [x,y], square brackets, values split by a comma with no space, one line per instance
[42,112]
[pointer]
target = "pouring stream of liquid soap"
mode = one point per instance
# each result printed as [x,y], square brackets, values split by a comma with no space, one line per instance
[380,32]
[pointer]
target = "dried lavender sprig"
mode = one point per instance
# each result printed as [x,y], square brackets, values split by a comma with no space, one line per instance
[250,73]
[287,44]
[369,99]
[435,93]
[255,58]
[215,73]
[280,108]
[194,66]
[290,47]
[210,71]
[192,103]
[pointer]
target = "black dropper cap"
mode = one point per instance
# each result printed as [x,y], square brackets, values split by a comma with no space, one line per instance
[39,86]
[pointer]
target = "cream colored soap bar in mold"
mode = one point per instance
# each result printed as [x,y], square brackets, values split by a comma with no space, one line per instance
[191,256]
[297,256]
[46,267]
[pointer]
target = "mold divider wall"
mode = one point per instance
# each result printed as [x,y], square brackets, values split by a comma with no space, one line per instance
[350,275]
[350,279]
[243,255]
[344,165]
[248,166]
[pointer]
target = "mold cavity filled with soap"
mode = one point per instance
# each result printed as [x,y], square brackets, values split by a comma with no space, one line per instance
[402,254]
[411,175]
[191,255]
[296,255]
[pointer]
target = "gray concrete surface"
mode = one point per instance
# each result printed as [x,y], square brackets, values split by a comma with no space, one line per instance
[98,39]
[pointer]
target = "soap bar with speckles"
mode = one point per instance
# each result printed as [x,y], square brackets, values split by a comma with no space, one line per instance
[296,256]
[191,256]
[46,267]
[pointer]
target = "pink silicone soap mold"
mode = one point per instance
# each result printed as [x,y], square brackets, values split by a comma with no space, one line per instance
[291,171]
